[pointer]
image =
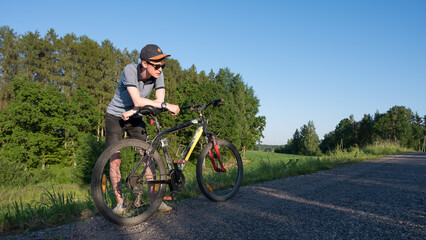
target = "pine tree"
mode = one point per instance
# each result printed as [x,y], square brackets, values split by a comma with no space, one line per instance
[9,63]
[67,51]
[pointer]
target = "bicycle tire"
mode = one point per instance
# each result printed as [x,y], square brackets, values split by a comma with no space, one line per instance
[137,196]
[219,186]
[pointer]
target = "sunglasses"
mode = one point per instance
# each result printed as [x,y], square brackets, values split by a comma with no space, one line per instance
[156,67]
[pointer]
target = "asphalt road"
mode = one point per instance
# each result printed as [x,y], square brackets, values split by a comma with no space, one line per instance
[377,199]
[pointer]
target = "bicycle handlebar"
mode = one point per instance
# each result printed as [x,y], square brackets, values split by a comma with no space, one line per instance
[150,110]
[201,107]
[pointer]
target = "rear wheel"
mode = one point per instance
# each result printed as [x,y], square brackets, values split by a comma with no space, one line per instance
[219,182]
[141,196]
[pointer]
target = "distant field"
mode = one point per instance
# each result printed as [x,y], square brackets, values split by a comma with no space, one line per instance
[257,155]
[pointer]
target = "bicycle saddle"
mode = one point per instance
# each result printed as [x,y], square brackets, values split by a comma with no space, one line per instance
[149,110]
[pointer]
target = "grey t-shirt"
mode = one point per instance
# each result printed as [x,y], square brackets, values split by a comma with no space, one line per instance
[122,102]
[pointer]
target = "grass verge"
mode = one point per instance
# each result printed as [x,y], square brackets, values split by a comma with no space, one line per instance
[54,206]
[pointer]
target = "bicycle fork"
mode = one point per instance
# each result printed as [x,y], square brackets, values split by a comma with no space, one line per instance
[219,158]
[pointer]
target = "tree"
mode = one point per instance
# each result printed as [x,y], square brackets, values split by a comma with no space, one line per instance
[40,125]
[346,132]
[83,117]
[382,127]
[400,120]
[394,125]
[9,63]
[345,135]
[304,142]
[89,70]
[33,125]
[365,136]
[329,142]
[50,60]
[416,141]
[424,134]
[310,140]
[68,50]
[32,49]
[8,54]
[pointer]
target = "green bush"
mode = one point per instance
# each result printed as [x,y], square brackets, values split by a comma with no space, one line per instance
[385,149]
[13,173]
[89,149]
[57,174]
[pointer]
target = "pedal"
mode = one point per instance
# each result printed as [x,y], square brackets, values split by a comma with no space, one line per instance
[172,197]
[179,161]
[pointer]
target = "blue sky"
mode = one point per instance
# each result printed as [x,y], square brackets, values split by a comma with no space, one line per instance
[317,61]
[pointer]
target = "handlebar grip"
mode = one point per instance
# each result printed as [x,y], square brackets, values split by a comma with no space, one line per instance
[216,101]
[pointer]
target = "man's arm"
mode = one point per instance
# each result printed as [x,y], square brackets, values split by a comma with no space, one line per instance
[159,95]
[138,101]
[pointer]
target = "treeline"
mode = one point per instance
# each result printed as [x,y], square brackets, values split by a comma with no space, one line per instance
[398,125]
[54,92]
[265,148]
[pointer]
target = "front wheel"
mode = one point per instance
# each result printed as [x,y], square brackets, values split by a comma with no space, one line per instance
[219,171]
[113,178]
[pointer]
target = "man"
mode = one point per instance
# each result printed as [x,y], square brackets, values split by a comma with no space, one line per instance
[133,90]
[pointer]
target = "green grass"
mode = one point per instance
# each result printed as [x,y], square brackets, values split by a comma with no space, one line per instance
[265,166]
[261,166]
[33,193]
[46,205]
[53,206]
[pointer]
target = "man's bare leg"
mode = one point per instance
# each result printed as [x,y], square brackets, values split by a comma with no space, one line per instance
[115,175]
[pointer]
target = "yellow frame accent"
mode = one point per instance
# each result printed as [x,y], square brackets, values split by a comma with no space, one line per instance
[197,137]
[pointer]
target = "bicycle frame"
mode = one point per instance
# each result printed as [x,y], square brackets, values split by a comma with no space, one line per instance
[160,138]
[188,150]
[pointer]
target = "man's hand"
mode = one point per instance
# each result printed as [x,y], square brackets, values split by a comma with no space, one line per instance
[126,115]
[174,109]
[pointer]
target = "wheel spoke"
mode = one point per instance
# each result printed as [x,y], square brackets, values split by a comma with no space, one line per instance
[117,177]
[219,178]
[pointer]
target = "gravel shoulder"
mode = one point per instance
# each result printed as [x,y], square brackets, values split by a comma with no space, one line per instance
[377,199]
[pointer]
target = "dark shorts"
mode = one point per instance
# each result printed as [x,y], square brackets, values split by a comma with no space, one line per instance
[115,127]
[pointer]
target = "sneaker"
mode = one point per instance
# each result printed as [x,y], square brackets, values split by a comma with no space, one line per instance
[120,208]
[164,208]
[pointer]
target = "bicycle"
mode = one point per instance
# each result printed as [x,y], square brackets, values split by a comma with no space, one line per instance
[219,169]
